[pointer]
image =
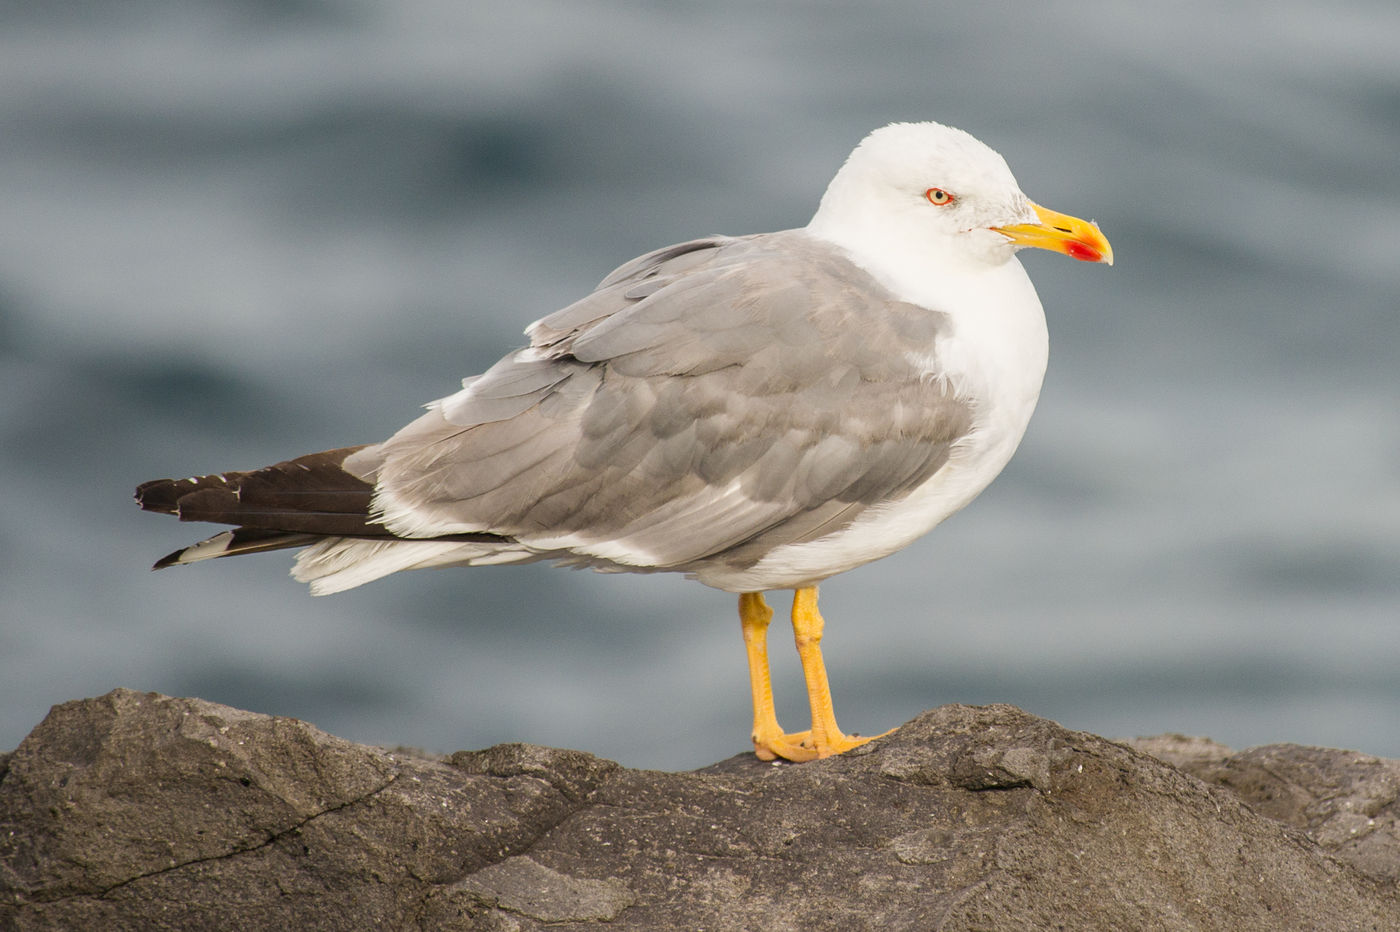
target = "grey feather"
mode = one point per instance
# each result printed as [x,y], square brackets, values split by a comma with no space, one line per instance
[709,402]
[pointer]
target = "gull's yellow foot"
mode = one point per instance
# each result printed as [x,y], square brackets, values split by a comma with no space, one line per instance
[826,737]
[841,743]
[773,744]
[770,742]
[799,746]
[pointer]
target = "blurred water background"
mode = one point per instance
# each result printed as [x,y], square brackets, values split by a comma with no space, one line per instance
[232,232]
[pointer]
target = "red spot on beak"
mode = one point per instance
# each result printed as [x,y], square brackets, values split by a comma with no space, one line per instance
[1083,253]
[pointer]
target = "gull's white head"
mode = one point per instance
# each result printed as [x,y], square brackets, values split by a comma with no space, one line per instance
[940,193]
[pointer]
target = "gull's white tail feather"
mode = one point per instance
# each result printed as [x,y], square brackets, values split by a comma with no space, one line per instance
[337,564]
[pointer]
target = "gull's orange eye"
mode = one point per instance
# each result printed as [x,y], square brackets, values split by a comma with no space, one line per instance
[938,197]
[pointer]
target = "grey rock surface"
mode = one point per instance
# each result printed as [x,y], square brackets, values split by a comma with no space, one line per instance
[1349,803]
[141,811]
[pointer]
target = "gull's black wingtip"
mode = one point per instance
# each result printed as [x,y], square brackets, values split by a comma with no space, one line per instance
[162,495]
[170,559]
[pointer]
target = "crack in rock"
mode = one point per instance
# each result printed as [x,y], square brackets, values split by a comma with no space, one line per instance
[236,852]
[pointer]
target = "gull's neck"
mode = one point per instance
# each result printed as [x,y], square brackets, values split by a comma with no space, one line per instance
[895,243]
[996,350]
[915,265]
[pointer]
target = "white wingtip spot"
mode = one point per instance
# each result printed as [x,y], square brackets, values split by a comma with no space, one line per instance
[206,549]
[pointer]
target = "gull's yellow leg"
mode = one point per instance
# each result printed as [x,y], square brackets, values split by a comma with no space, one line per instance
[769,741]
[826,737]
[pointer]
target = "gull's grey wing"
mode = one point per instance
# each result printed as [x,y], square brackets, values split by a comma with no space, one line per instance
[709,401]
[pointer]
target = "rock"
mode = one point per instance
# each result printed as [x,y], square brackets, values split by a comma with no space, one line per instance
[140,811]
[1348,803]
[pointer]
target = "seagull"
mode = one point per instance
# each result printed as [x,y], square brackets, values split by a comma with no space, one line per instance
[756,412]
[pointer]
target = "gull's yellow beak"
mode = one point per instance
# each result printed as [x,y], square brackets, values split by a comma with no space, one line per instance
[1078,239]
